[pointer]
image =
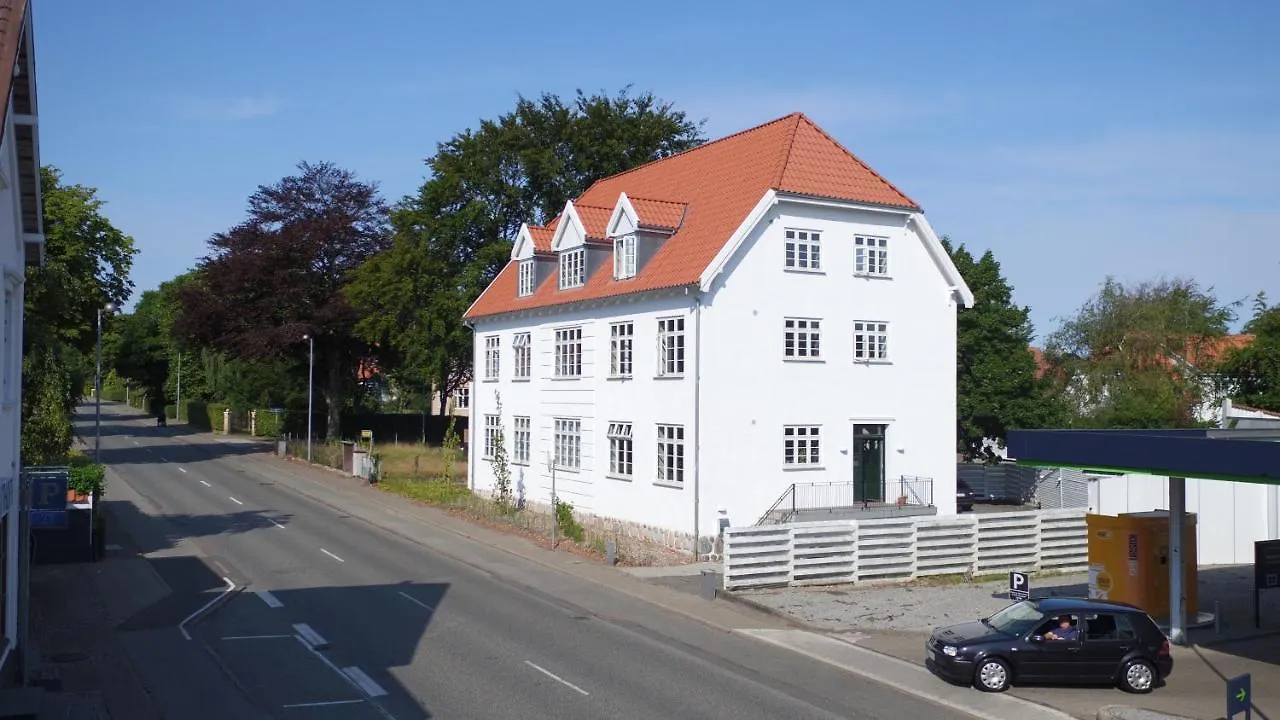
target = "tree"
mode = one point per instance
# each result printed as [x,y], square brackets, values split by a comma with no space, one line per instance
[454,236]
[282,274]
[996,385]
[1251,374]
[1125,356]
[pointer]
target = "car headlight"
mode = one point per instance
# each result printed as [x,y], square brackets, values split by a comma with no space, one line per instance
[949,650]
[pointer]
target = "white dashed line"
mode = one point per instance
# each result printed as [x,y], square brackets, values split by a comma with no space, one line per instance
[325,703]
[310,637]
[335,557]
[235,500]
[182,469]
[555,677]
[268,598]
[417,602]
[273,522]
[364,682]
[205,484]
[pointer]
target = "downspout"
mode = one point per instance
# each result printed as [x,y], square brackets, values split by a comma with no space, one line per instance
[697,423]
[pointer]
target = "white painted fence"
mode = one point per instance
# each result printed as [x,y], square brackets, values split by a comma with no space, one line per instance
[843,551]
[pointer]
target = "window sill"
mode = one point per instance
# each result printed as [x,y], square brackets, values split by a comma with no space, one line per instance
[521,379]
[573,470]
[804,271]
[520,463]
[667,484]
[802,468]
[620,377]
[872,276]
[803,359]
[620,478]
[679,376]
[560,378]
[489,379]
[572,287]
[859,361]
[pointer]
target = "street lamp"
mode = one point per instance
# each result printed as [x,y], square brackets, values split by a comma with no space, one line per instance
[97,390]
[311,367]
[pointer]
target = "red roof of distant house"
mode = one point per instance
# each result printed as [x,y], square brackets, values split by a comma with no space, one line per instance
[1042,363]
[1208,352]
[706,193]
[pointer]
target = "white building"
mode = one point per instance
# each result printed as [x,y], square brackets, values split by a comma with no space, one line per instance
[21,244]
[697,334]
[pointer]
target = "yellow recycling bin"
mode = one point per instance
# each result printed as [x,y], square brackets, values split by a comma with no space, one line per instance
[1129,560]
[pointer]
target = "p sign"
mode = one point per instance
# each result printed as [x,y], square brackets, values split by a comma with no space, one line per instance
[1019,586]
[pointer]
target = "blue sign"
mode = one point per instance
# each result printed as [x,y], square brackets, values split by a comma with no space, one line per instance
[48,491]
[48,519]
[1238,696]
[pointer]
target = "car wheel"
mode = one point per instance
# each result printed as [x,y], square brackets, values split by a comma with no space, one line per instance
[992,675]
[1138,677]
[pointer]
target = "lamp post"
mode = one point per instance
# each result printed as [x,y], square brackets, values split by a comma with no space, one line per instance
[311,367]
[177,410]
[97,390]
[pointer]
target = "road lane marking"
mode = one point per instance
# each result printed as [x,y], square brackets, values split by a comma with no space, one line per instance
[273,522]
[324,703]
[335,557]
[327,662]
[182,626]
[364,682]
[182,469]
[309,636]
[417,602]
[555,677]
[235,500]
[135,442]
[268,598]
[255,637]
[205,484]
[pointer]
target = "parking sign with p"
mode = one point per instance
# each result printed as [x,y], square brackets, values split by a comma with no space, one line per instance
[1019,586]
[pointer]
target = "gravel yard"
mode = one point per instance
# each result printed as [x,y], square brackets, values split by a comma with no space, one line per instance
[923,605]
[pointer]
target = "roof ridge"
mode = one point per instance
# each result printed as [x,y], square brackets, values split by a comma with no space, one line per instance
[857,159]
[786,150]
[656,200]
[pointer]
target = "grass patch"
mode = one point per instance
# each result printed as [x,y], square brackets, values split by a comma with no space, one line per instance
[415,460]
[433,492]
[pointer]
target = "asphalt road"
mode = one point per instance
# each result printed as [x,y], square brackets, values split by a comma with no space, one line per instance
[337,618]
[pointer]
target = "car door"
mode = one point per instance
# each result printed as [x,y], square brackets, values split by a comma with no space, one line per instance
[1046,660]
[1108,638]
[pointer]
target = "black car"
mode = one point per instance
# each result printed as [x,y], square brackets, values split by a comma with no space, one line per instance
[1114,643]
[964,496]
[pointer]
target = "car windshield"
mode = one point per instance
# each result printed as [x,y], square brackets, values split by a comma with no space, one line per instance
[1016,619]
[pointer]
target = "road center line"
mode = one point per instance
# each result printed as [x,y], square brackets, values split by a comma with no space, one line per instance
[324,703]
[273,522]
[417,602]
[235,500]
[335,557]
[205,484]
[182,469]
[555,677]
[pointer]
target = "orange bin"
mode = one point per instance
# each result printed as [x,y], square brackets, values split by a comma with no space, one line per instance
[1129,560]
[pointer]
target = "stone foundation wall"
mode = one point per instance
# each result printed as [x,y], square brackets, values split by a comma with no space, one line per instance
[638,543]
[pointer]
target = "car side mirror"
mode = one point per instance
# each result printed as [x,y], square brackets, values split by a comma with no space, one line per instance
[1037,638]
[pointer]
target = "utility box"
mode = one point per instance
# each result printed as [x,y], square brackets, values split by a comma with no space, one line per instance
[1129,560]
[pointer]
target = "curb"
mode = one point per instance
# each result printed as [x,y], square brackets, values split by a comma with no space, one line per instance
[1125,712]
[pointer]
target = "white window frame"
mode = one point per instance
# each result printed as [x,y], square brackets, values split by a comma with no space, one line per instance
[870,341]
[622,347]
[622,451]
[521,438]
[802,447]
[462,398]
[671,455]
[522,355]
[671,346]
[801,339]
[492,429]
[528,269]
[802,250]
[568,352]
[624,257]
[870,256]
[492,357]
[573,268]
[567,443]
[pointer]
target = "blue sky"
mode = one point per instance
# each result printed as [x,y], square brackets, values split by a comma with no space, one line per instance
[1076,139]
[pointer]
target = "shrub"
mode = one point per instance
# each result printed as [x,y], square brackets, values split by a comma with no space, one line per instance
[567,523]
[87,478]
[270,424]
[198,416]
[213,411]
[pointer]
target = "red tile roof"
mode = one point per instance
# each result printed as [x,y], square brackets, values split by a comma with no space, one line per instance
[720,183]
[595,218]
[12,16]
[1209,352]
[661,214]
[542,237]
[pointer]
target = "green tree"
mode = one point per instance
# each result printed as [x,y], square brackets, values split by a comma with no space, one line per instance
[1123,358]
[454,236]
[1251,374]
[996,385]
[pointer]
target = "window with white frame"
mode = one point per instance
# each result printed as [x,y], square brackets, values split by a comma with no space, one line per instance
[803,249]
[621,450]
[569,352]
[568,443]
[800,338]
[870,340]
[870,255]
[462,398]
[671,346]
[621,337]
[528,271]
[573,268]
[492,346]
[624,257]
[492,436]
[671,454]
[801,445]
[520,437]
[522,354]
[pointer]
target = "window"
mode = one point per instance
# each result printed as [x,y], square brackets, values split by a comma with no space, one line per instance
[573,268]
[462,398]
[800,445]
[671,454]
[870,256]
[800,339]
[803,250]
[492,345]
[528,270]
[568,443]
[1109,627]
[621,450]
[624,257]
[523,354]
[520,441]
[620,340]
[671,346]
[569,352]
[870,341]
[492,436]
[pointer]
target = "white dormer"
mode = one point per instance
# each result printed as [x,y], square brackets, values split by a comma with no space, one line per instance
[625,220]
[570,231]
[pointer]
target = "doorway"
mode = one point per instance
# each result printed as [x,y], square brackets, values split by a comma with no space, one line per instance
[868,463]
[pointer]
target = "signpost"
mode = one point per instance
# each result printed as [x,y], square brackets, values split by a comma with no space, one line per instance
[1019,586]
[1239,694]
[1266,573]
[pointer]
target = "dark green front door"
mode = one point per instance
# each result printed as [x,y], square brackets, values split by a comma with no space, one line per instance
[868,463]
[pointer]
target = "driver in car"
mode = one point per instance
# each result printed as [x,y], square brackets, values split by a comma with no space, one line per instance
[1065,630]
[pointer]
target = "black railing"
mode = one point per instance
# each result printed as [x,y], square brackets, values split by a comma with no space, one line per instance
[907,490]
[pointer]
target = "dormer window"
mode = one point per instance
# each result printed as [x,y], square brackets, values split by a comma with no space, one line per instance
[573,268]
[528,268]
[624,257]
